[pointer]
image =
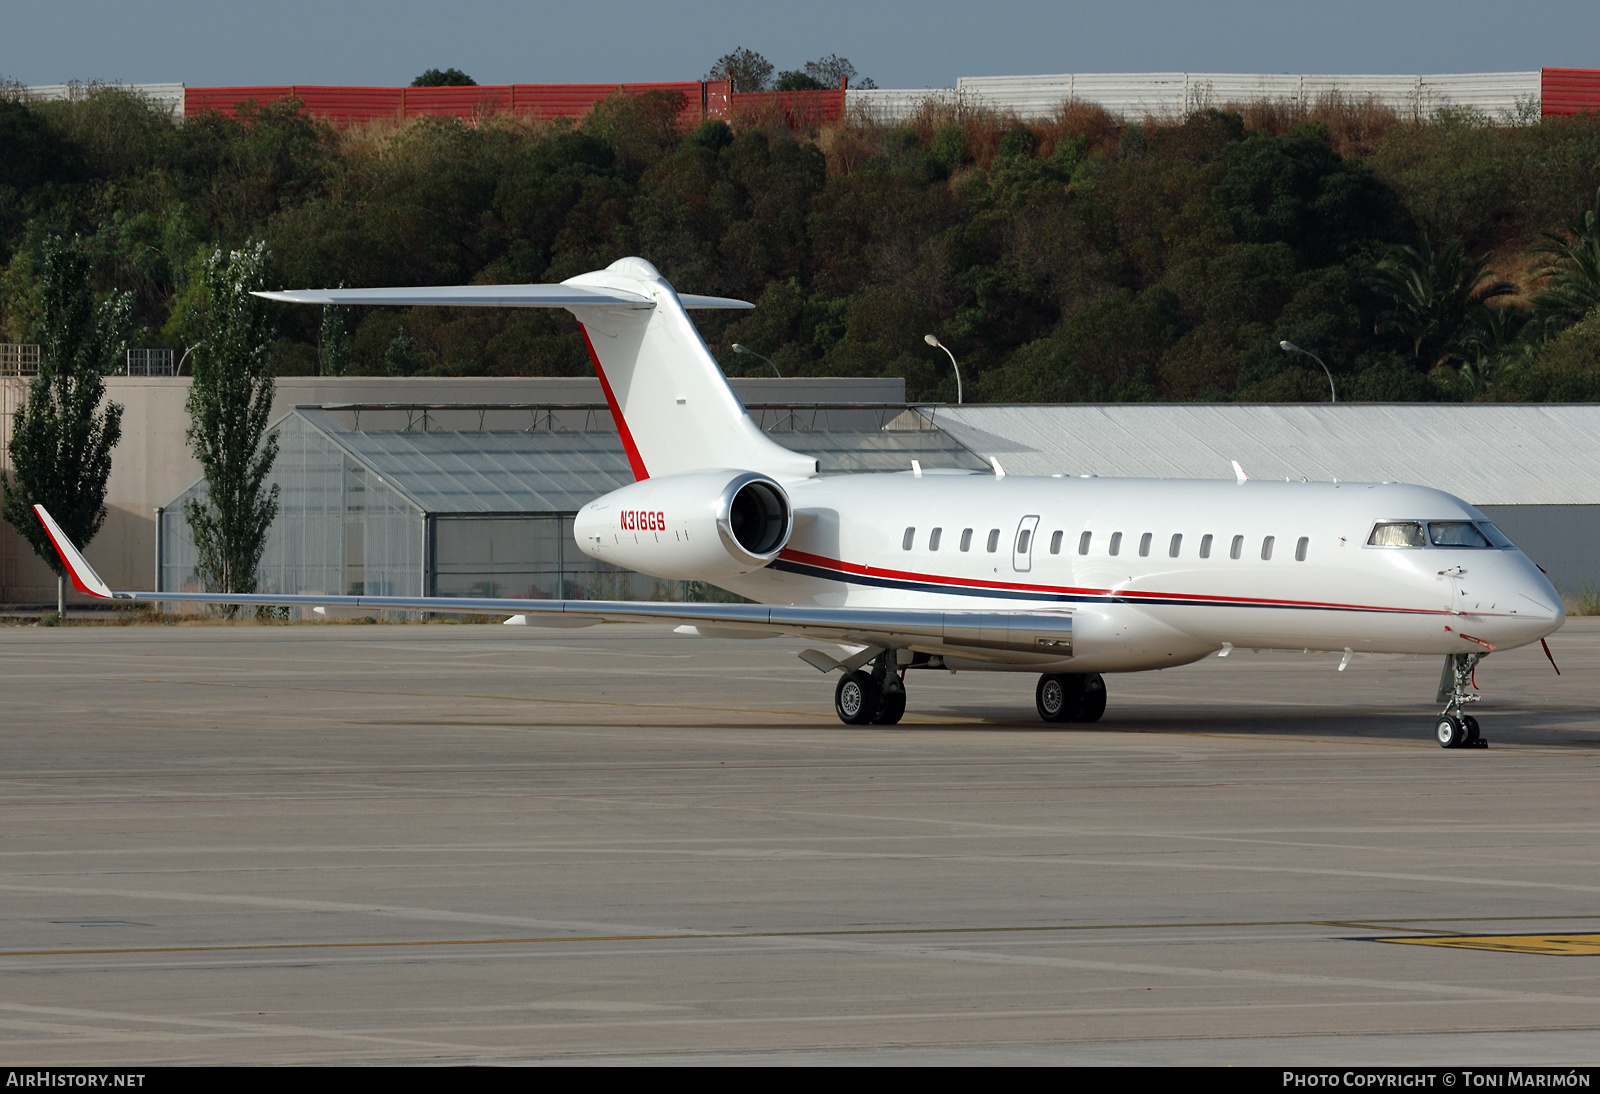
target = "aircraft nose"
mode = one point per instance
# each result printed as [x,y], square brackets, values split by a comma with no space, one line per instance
[1525,606]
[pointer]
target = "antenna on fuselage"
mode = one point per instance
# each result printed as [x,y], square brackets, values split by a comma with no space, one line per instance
[1238,473]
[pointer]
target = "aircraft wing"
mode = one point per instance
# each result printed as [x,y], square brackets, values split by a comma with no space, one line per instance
[1041,632]
[493,296]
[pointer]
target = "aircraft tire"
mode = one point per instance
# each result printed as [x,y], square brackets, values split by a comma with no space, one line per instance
[891,707]
[1450,732]
[1094,697]
[855,698]
[1059,697]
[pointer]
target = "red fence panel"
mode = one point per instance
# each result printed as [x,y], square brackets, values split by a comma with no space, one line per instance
[353,105]
[226,100]
[1569,90]
[459,102]
[796,109]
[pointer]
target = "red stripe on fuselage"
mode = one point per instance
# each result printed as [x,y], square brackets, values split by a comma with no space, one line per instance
[635,461]
[1198,599]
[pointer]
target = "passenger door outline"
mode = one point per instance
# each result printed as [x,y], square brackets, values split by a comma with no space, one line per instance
[1022,560]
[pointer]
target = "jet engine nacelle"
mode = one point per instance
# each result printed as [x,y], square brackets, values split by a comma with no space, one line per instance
[700,526]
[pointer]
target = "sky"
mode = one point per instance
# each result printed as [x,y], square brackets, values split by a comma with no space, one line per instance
[929,44]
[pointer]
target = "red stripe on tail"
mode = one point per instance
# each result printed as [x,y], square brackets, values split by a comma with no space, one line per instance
[635,461]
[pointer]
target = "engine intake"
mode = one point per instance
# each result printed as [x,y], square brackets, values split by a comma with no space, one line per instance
[696,527]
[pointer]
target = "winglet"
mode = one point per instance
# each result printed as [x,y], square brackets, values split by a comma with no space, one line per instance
[1238,473]
[84,579]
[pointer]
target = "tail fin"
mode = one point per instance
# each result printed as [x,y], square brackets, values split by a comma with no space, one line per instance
[671,402]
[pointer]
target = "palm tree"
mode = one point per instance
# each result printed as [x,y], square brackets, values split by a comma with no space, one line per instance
[1438,299]
[1571,272]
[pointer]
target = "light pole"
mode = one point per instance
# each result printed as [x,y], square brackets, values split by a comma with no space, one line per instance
[748,352]
[932,341]
[1290,347]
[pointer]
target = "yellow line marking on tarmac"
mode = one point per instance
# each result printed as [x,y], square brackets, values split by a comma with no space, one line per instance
[1560,945]
[1592,940]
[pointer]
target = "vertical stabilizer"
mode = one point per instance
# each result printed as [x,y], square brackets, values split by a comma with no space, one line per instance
[673,406]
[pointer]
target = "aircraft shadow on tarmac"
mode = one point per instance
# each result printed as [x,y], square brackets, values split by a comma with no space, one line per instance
[1560,729]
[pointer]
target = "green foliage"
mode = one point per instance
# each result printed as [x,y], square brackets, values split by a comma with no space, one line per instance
[1570,271]
[333,341]
[1297,190]
[1437,300]
[1079,258]
[449,77]
[797,81]
[400,359]
[61,438]
[1564,370]
[230,401]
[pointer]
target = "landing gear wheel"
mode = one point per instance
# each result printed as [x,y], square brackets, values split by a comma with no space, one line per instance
[1059,697]
[1094,697]
[891,706]
[1450,731]
[1475,737]
[855,699]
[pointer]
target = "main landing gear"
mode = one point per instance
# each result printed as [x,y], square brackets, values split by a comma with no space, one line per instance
[1070,696]
[1455,729]
[875,697]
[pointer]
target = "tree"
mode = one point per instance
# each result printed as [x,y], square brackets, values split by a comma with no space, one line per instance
[1437,299]
[230,402]
[450,77]
[400,359]
[833,70]
[61,440]
[333,337]
[1570,270]
[746,69]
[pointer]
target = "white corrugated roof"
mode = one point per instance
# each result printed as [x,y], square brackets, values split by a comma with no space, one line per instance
[1486,454]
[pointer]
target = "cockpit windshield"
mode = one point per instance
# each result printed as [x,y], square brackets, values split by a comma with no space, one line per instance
[1456,533]
[1396,533]
[1440,533]
[1496,536]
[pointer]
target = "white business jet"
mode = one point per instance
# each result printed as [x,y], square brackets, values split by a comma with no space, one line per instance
[1069,578]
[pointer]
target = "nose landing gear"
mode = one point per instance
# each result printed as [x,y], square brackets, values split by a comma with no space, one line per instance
[1455,729]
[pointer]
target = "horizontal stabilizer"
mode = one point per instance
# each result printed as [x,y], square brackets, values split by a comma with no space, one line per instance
[470,296]
[492,296]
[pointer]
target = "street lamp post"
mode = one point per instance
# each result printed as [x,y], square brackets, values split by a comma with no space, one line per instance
[747,351]
[1290,347]
[932,341]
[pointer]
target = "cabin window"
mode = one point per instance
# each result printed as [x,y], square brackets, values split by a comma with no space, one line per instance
[1116,543]
[966,539]
[1144,545]
[933,539]
[1175,546]
[1205,546]
[1266,548]
[1022,541]
[1300,548]
[1083,542]
[1396,533]
[1237,550]
[1456,533]
[905,540]
[1055,542]
[994,540]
